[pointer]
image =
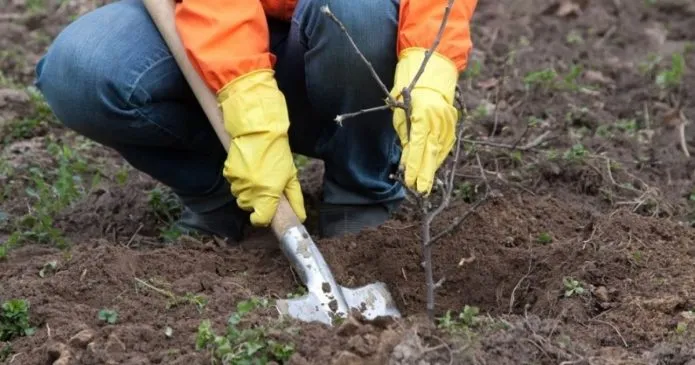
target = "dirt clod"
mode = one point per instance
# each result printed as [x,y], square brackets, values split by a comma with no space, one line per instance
[348,328]
[348,358]
[602,294]
[82,339]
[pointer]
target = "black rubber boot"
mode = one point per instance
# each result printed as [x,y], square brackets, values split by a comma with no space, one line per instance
[341,220]
[214,214]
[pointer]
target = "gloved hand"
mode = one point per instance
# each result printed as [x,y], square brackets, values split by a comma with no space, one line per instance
[259,165]
[432,133]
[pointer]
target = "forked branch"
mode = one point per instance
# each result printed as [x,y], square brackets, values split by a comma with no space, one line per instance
[445,181]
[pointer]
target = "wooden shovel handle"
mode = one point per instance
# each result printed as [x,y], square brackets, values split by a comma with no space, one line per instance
[162,13]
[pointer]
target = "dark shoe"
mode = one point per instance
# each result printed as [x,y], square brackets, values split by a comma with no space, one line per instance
[341,220]
[225,222]
[214,214]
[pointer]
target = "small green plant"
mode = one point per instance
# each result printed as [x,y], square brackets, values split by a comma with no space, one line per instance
[544,238]
[627,125]
[298,292]
[35,6]
[5,351]
[199,301]
[50,191]
[467,319]
[242,344]
[534,121]
[681,328]
[163,203]
[22,129]
[109,316]
[41,108]
[549,79]
[544,78]
[569,81]
[576,153]
[673,76]
[473,70]
[48,267]
[637,256]
[122,175]
[574,37]
[482,110]
[465,191]
[572,287]
[14,320]
[26,127]
[604,130]
[170,233]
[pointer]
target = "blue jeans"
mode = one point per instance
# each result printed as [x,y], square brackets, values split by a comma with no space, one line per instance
[110,77]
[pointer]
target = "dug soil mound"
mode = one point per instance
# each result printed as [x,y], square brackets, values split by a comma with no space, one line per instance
[572,243]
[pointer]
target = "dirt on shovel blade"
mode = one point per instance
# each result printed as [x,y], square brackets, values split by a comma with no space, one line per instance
[582,252]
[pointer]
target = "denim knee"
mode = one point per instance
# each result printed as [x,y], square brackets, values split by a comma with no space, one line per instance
[373,26]
[91,78]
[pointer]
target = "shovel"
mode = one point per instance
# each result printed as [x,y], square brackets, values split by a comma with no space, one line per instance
[325,301]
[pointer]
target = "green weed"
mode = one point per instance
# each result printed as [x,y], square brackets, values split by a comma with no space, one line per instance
[572,287]
[549,79]
[466,191]
[672,76]
[14,320]
[241,344]
[681,328]
[109,316]
[467,319]
[49,191]
[39,118]
[5,351]
[163,204]
[544,238]
[574,37]
[576,153]
[473,70]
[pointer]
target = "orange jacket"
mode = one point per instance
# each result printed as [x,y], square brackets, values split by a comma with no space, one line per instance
[225,39]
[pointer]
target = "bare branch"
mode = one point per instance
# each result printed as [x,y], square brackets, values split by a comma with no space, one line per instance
[458,220]
[340,118]
[446,183]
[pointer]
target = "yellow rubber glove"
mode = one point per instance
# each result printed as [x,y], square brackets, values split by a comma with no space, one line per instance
[259,165]
[432,133]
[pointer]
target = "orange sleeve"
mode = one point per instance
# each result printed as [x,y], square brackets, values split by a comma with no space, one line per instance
[224,39]
[419,22]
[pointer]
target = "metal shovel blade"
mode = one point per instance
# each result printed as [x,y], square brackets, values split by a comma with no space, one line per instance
[371,301]
[325,300]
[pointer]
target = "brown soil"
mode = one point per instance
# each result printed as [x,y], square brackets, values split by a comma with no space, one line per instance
[618,219]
